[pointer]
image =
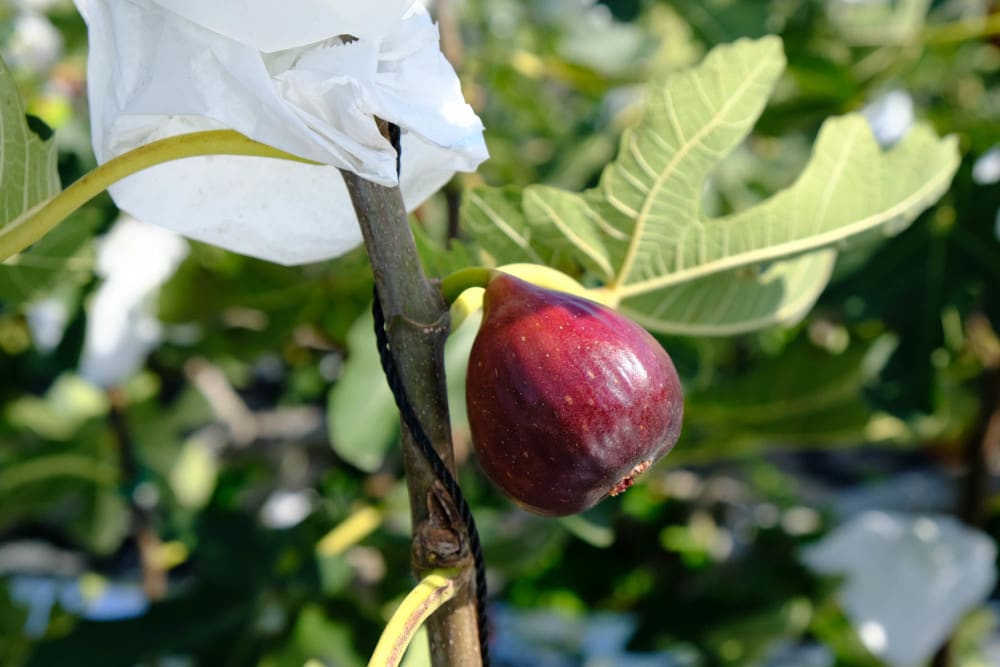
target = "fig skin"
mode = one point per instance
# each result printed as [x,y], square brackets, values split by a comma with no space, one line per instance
[568,401]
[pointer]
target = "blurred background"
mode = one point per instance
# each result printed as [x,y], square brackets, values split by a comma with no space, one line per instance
[198,454]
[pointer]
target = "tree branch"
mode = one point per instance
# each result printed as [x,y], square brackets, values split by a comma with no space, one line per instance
[417,328]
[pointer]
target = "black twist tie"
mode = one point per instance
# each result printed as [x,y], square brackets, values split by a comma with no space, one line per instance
[438,467]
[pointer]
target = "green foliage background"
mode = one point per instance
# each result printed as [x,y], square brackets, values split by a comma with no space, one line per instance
[888,370]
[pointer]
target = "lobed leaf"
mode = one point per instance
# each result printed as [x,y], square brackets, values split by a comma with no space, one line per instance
[642,232]
[737,300]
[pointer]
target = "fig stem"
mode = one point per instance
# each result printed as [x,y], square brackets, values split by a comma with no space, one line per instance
[455,283]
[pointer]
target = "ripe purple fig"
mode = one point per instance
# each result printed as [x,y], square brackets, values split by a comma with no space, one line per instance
[568,401]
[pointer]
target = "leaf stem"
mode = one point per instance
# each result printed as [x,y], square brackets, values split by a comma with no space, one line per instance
[454,284]
[36,222]
[427,597]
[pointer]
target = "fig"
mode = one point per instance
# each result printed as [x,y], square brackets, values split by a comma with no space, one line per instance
[568,401]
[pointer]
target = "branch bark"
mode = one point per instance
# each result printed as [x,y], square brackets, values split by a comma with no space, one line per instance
[417,327]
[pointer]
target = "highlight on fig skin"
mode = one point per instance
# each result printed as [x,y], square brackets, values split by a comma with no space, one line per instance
[568,401]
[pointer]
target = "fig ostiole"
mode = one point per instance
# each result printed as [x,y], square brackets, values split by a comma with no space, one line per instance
[568,401]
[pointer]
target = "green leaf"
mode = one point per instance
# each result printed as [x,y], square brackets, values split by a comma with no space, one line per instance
[520,544]
[493,217]
[106,523]
[805,396]
[722,21]
[440,259]
[58,466]
[316,639]
[68,404]
[878,23]
[758,633]
[363,419]
[735,301]
[29,177]
[642,232]
[456,364]
[195,473]
[595,526]
[419,652]
[61,256]
[28,173]
[14,644]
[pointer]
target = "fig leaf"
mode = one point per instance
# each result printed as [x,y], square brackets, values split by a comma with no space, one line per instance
[29,178]
[28,174]
[642,233]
